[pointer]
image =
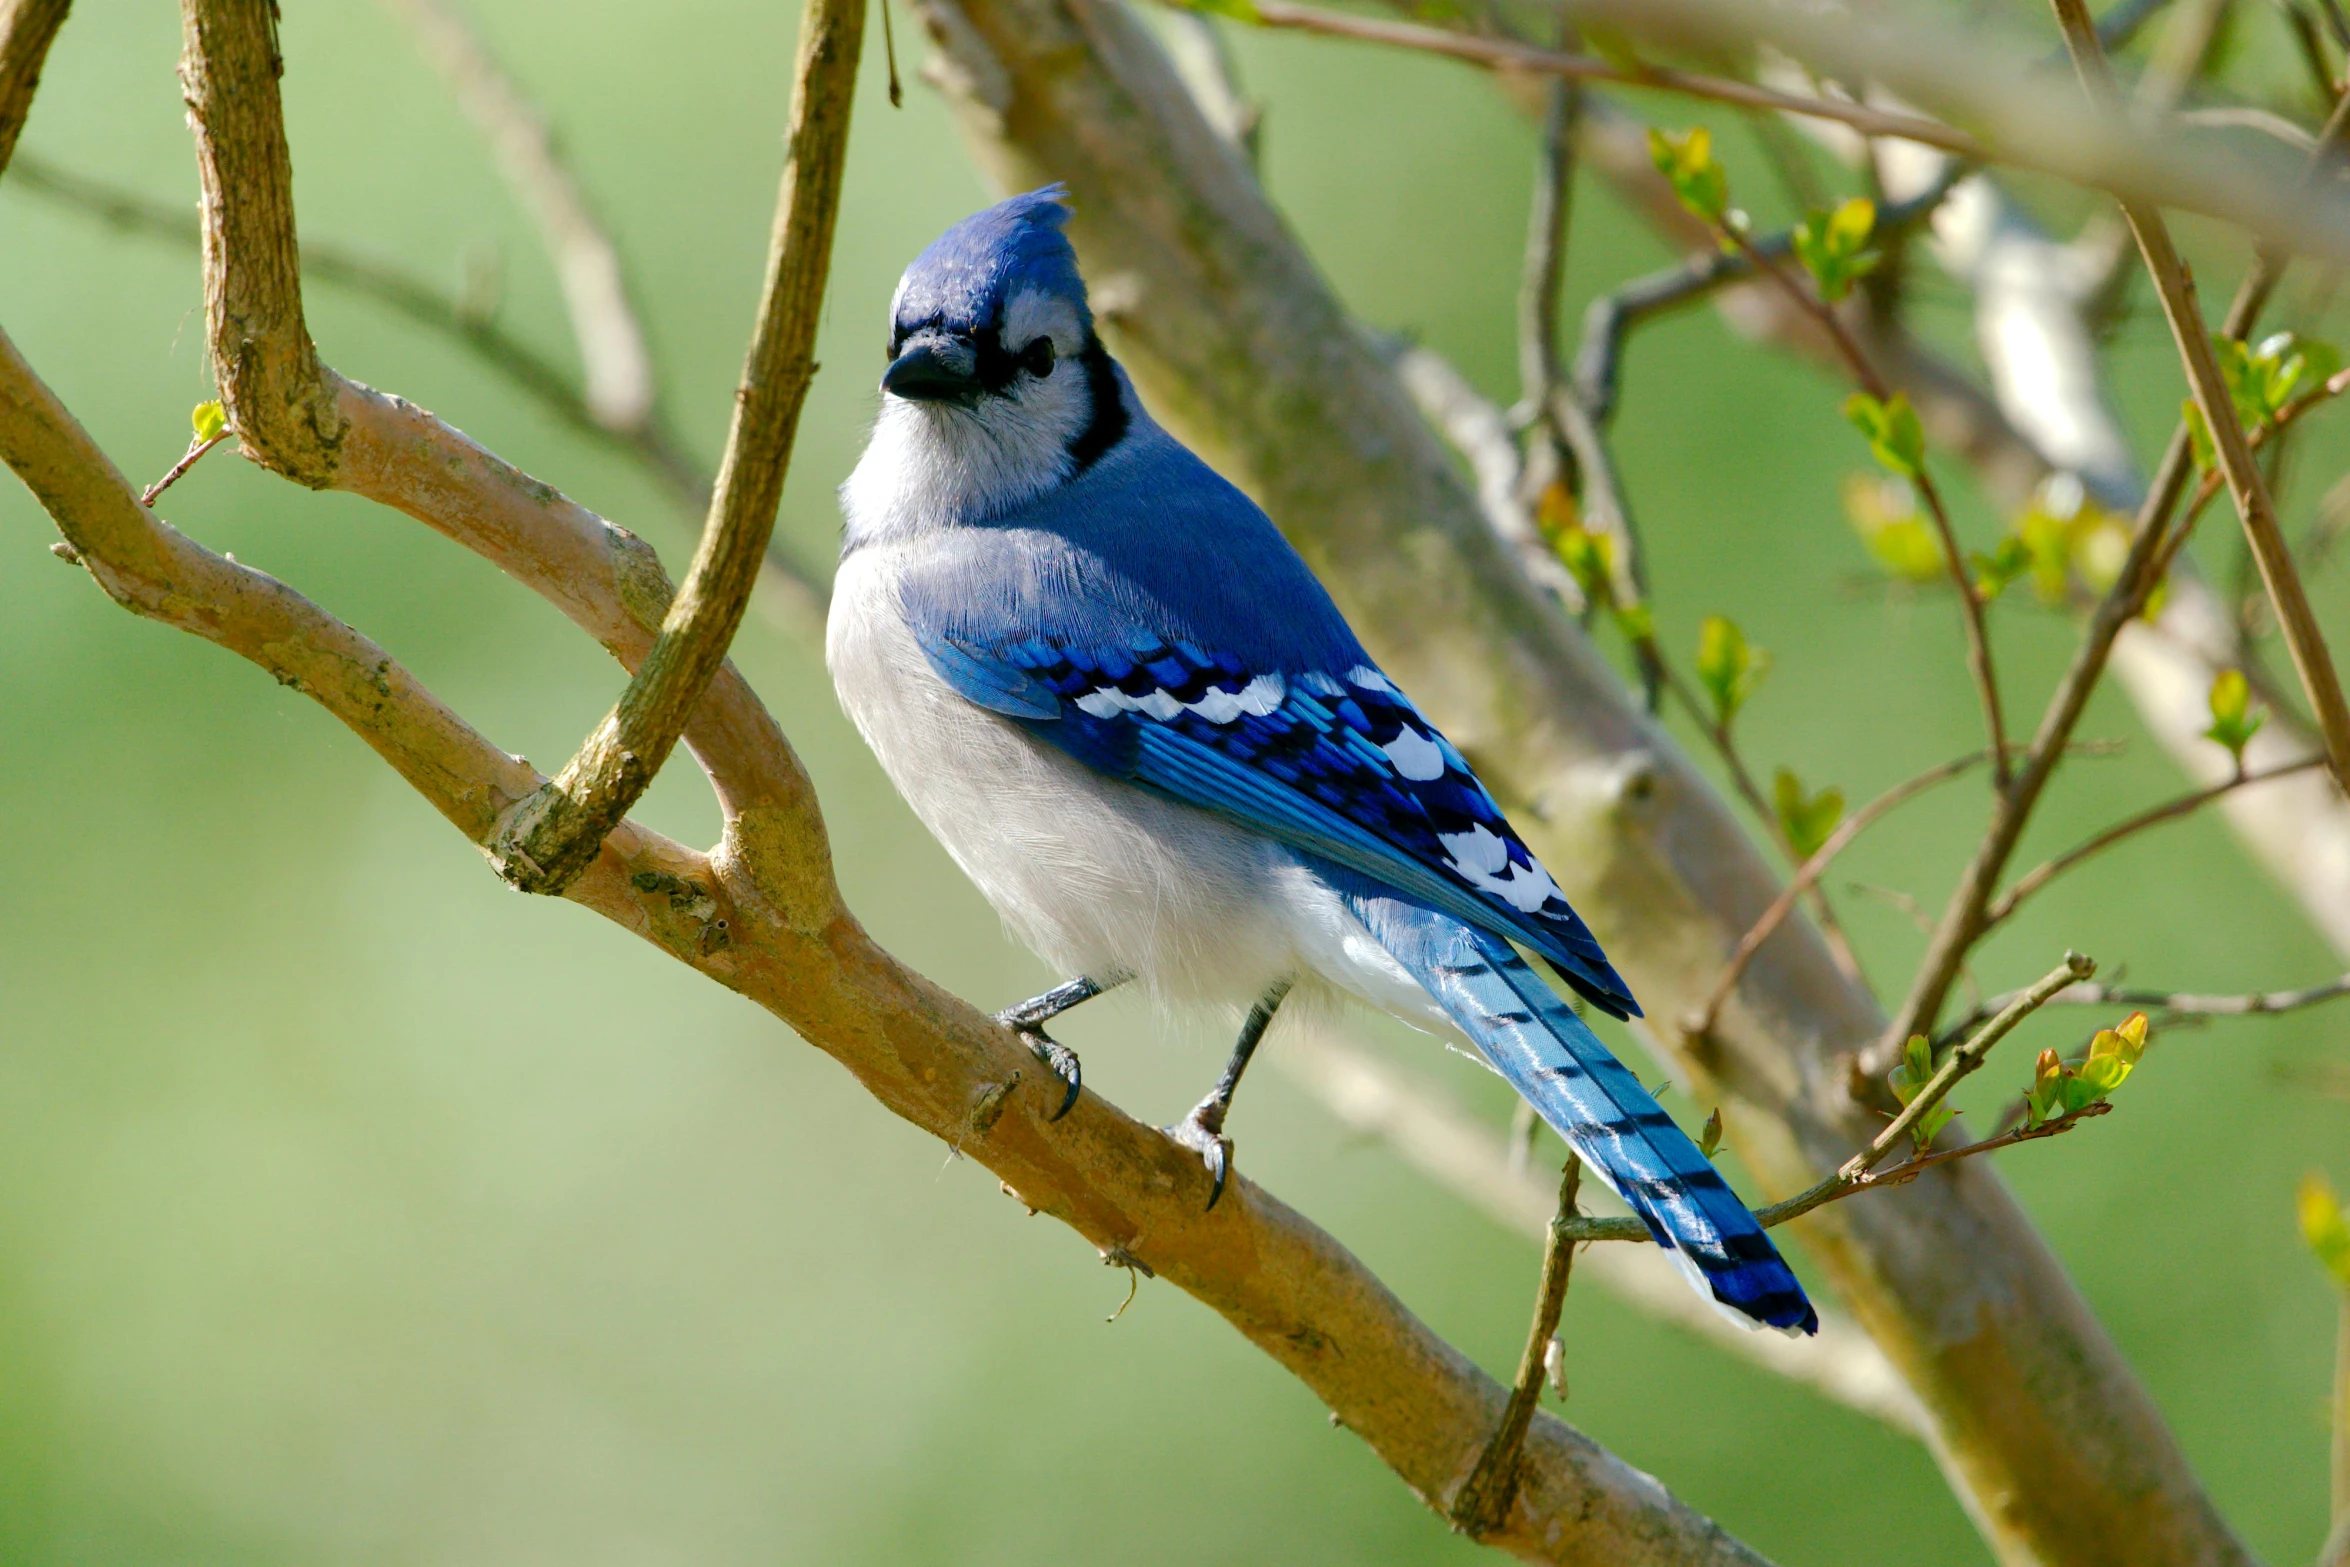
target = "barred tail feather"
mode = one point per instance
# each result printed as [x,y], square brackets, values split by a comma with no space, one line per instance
[1535,1041]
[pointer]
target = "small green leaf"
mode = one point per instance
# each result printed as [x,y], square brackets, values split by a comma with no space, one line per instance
[1806,819]
[1892,430]
[2199,436]
[1710,1138]
[1727,667]
[1687,163]
[210,421]
[1909,1078]
[1638,624]
[2234,721]
[1833,246]
[1590,558]
[2047,1091]
[1883,510]
[2324,1228]
[1993,572]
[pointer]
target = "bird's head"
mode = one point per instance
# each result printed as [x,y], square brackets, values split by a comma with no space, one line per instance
[997,388]
[992,309]
[991,322]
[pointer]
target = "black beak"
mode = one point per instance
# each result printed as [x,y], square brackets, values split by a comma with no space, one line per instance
[924,375]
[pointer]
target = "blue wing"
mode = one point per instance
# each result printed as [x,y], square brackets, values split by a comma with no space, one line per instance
[1147,618]
[1338,764]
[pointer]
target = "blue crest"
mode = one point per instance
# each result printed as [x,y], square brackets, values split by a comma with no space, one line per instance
[963,280]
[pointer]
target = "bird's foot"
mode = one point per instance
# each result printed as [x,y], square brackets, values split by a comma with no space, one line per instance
[1058,1058]
[1202,1132]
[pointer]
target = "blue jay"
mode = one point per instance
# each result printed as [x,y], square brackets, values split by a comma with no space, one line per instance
[1124,705]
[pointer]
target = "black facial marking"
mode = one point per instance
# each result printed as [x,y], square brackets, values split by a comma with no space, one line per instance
[1108,424]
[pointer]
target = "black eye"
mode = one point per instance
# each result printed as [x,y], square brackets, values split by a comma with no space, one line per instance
[1037,358]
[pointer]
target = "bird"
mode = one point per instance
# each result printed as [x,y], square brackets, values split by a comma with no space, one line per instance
[1140,725]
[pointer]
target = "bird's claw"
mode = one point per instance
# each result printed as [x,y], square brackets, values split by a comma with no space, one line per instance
[1057,1057]
[1202,1133]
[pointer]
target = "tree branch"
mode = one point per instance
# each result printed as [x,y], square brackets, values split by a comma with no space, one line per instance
[2254,505]
[553,837]
[1484,1499]
[2170,810]
[2259,1003]
[27,28]
[1807,876]
[1244,352]
[269,374]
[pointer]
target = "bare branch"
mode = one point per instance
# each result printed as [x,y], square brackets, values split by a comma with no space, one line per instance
[621,391]
[2170,810]
[1807,876]
[1949,69]
[2303,638]
[1859,1173]
[1484,1499]
[2177,1003]
[1972,84]
[27,28]
[1864,371]
[1611,318]
[553,837]
[2339,1420]
[268,371]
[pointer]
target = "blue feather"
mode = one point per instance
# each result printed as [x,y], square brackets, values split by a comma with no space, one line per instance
[1531,1038]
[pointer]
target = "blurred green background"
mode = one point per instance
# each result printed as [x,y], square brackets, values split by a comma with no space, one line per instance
[355,1210]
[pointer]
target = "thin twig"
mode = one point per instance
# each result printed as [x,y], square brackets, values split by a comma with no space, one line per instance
[1506,53]
[2257,508]
[2170,810]
[2141,571]
[1857,1174]
[1808,874]
[1463,1155]
[196,449]
[554,836]
[1484,1499]
[1610,319]
[1871,381]
[2263,438]
[2175,1003]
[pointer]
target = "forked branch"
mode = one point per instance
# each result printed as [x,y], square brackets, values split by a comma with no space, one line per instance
[555,834]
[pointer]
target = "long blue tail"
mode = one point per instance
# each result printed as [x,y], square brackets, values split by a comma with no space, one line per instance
[1533,1039]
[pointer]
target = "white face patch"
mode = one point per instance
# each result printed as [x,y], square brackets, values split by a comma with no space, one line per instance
[1032,314]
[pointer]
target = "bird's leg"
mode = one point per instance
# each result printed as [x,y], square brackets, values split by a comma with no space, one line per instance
[1202,1131]
[1030,1017]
